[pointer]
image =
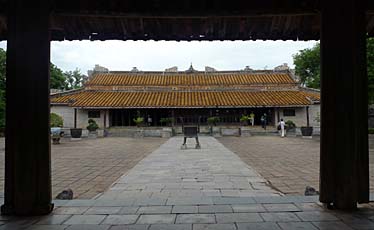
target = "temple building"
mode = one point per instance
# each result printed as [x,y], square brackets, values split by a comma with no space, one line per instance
[114,98]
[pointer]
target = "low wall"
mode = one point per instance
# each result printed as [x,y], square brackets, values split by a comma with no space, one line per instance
[167,132]
[100,132]
[230,131]
[140,132]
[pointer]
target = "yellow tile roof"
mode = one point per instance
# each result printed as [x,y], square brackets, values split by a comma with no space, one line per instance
[191,79]
[178,99]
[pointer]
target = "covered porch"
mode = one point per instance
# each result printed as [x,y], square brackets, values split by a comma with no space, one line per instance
[189,116]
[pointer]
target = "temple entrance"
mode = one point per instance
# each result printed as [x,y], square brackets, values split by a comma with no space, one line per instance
[191,116]
[125,117]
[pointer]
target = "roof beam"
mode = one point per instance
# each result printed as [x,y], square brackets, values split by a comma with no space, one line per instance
[172,8]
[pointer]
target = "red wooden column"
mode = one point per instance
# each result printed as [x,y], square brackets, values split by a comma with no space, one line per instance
[27,146]
[344,169]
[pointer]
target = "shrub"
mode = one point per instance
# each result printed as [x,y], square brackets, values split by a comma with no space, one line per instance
[245,118]
[166,120]
[56,120]
[213,120]
[290,125]
[371,130]
[92,125]
[138,121]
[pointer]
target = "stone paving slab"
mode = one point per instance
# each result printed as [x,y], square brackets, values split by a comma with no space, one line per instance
[306,215]
[212,175]
[157,219]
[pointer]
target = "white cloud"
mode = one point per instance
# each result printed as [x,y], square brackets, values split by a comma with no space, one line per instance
[152,55]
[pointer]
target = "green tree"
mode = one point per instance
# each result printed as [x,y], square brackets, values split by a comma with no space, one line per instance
[58,79]
[56,120]
[74,79]
[307,66]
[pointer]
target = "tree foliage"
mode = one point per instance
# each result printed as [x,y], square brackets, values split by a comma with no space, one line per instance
[307,66]
[66,80]
[74,79]
[57,78]
[56,120]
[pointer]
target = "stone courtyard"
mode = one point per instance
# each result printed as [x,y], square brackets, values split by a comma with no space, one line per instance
[90,166]
[171,188]
[289,164]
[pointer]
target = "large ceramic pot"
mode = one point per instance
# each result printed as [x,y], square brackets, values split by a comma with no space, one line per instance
[306,131]
[76,133]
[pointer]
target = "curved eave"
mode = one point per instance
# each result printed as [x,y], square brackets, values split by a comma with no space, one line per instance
[62,104]
[194,107]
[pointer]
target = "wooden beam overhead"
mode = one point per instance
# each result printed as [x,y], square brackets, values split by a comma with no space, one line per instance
[185,20]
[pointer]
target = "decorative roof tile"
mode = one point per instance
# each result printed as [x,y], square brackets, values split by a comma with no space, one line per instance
[107,99]
[193,79]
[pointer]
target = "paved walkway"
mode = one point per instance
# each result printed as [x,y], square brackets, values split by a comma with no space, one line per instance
[198,174]
[209,188]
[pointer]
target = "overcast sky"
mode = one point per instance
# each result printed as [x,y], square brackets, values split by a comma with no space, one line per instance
[152,55]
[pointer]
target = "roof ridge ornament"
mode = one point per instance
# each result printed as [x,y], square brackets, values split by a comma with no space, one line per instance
[248,69]
[191,69]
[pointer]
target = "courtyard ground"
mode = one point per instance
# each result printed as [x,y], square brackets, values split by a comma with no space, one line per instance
[195,189]
[90,166]
[289,164]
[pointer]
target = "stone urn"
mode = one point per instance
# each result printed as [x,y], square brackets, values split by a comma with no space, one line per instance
[76,132]
[306,131]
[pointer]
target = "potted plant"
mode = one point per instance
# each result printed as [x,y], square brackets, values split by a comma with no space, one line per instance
[92,127]
[138,121]
[166,121]
[212,121]
[307,131]
[290,126]
[167,131]
[56,123]
[245,119]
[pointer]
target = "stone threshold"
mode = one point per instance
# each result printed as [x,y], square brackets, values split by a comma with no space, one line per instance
[189,201]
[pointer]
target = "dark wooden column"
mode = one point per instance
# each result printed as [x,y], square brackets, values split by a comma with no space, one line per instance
[344,165]
[174,118]
[75,118]
[307,116]
[27,146]
[104,119]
